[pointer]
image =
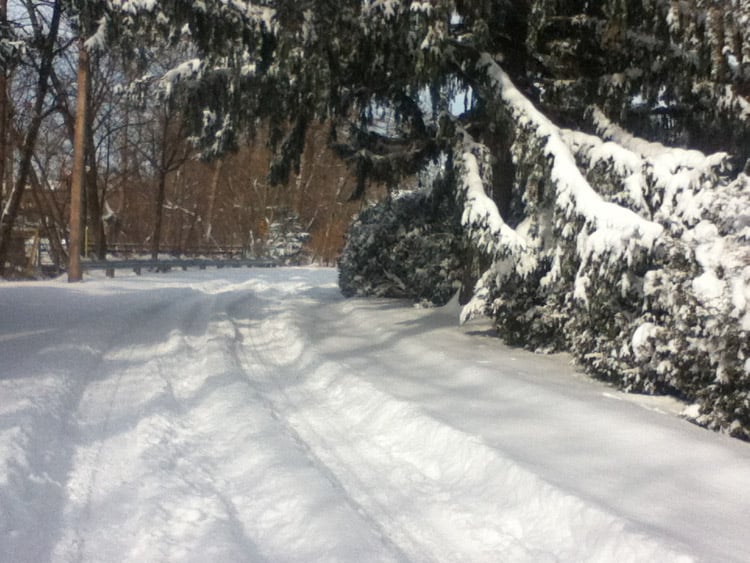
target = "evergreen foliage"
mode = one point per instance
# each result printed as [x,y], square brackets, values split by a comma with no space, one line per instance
[631,254]
[407,246]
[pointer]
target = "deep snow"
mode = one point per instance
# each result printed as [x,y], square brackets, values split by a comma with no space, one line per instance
[256,415]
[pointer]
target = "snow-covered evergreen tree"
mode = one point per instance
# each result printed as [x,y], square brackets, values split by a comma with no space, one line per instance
[629,252]
[410,245]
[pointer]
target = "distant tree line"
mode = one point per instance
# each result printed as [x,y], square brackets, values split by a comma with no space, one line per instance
[146,185]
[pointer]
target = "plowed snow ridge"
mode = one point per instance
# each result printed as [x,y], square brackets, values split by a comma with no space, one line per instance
[258,416]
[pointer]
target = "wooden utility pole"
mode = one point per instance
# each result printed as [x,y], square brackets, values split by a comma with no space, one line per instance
[75,273]
[3,108]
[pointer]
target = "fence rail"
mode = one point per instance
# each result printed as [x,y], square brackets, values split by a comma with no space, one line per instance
[131,248]
[138,265]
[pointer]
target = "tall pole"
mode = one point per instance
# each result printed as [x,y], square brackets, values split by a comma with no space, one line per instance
[3,108]
[75,273]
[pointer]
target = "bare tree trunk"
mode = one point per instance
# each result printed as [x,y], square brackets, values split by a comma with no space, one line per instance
[52,222]
[75,273]
[91,184]
[212,201]
[10,211]
[171,157]
[159,216]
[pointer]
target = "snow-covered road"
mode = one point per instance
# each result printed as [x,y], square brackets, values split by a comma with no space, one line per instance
[241,415]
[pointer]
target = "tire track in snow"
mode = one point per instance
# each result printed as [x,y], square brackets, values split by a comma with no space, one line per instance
[91,460]
[93,414]
[441,495]
[259,377]
[115,426]
[181,461]
[199,471]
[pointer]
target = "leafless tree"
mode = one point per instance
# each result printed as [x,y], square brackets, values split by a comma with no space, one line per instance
[45,34]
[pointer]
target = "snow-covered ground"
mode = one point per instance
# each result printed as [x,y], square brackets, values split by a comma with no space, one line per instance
[256,415]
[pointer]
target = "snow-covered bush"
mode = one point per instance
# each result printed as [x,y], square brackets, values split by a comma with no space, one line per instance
[633,255]
[692,331]
[408,246]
